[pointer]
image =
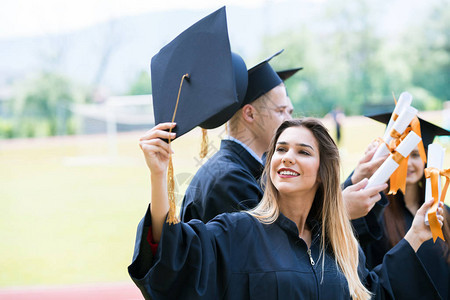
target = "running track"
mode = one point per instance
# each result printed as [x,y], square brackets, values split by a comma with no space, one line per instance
[104,291]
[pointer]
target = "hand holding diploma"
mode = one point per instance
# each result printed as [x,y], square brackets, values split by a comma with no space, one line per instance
[419,232]
[433,191]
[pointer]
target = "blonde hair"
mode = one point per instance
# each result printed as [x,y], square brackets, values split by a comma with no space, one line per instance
[328,206]
[261,101]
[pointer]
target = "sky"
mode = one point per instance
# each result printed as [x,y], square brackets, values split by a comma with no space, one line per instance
[30,17]
[19,18]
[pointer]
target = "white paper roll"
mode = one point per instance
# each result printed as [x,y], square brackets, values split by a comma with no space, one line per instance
[382,150]
[383,173]
[435,159]
[403,120]
[389,165]
[404,101]
[408,144]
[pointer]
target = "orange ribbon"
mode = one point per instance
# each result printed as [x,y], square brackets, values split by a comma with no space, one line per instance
[398,178]
[397,138]
[415,126]
[397,157]
[394,116]
[433,174]
[397,181]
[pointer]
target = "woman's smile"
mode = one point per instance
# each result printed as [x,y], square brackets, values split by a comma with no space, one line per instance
[287,173]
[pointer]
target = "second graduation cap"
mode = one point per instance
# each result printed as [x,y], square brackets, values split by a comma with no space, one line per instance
[216,80]
[261,79]
[286,74]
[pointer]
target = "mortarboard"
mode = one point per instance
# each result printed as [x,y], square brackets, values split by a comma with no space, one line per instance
[429,130]
[261,79]
[197,81]
[216,82]
[286,74]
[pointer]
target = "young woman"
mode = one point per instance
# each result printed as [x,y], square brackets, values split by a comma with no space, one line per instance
[296,244]
[397,220]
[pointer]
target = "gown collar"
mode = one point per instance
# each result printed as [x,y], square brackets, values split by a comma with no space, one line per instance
[252,153]
[291,228]
[246,158]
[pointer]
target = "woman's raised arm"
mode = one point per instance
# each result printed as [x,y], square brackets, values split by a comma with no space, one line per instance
[157,152]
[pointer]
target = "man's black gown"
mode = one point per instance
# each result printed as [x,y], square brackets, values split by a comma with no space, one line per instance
[227,182]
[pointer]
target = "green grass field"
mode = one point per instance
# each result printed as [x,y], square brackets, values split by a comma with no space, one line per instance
[69,207]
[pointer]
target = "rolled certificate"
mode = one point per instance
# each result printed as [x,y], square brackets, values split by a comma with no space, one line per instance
[404,101]
[435,159]
[392,162]
[403,120]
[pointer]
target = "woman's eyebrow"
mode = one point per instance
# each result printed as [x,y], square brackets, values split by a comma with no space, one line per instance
[297,144]
[305,145]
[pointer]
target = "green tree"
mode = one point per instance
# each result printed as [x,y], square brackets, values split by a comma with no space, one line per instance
[431,70]
[340,56]
[41,102]
[142,85]
[305,87]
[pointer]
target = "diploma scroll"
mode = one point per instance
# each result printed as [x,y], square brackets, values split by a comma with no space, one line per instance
[399,126]
[392,162]
[404,101]
[435,160]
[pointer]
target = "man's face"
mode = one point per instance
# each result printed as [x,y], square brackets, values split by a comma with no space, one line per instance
[273,109]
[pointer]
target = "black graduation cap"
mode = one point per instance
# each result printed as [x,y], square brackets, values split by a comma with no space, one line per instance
[261,79]
[286,74]
[429,131]
[217,78]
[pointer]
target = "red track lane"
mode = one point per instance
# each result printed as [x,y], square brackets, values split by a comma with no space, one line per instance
[108,291]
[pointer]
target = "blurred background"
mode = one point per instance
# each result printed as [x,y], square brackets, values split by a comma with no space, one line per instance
[75,96]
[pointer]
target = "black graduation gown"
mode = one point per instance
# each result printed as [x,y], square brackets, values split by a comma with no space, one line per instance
[431,255]
[236,257]
[227,182]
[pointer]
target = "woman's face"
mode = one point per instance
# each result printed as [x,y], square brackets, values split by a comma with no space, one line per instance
[295,163]
[415,167]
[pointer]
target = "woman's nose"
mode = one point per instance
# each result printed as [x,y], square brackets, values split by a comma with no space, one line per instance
[287,159]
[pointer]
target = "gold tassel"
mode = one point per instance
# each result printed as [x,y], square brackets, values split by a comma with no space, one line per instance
[171,216]
[204,145]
